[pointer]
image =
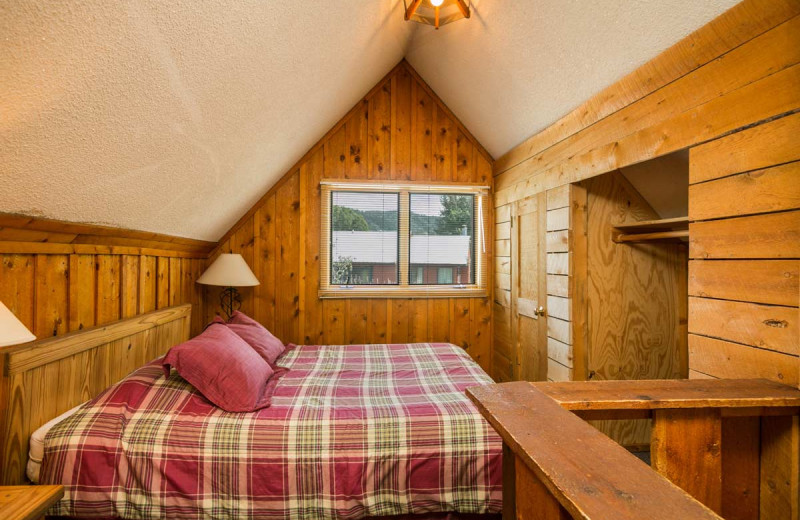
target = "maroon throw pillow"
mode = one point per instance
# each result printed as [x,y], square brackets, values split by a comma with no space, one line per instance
[223,367]
[268,346]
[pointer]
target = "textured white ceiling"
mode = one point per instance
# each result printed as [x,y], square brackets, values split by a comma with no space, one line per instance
[518,66]
[175,116]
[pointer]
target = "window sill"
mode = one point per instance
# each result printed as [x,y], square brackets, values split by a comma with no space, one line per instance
[382,292]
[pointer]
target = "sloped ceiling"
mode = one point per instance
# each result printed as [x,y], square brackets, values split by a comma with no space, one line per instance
[175,116]
[520,65]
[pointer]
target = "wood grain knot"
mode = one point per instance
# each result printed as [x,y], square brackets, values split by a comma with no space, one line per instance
[778,324]
[623,495]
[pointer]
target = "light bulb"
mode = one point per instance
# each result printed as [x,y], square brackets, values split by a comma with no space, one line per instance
[436,3]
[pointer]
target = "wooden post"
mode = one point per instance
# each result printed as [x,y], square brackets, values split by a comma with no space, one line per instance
[509,484]
[740,467]
[780,476]
[686,448]
[533,500]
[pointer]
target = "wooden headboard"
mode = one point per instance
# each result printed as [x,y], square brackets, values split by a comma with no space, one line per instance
[43,379]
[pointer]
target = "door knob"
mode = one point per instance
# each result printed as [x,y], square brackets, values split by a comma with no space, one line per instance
[540,311]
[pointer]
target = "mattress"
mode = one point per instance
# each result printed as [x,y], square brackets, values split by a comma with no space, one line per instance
[354,431]
[36,449]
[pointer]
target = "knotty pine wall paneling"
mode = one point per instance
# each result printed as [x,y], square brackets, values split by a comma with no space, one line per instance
[55,294]
[399,131]
[58,277]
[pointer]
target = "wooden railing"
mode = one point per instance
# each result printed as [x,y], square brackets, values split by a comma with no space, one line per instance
[719,448]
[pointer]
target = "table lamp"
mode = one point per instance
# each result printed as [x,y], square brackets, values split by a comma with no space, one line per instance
[229,270]
[12,331]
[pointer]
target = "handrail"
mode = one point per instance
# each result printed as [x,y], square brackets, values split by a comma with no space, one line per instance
[637,399]
[670,393]
[590,475]
[550,448]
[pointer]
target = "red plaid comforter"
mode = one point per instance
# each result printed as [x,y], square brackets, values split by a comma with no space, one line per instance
[353,431]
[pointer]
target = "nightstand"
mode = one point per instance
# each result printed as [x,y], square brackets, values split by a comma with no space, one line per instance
[27,502]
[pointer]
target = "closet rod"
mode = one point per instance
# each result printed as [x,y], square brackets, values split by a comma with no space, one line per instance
[658,235]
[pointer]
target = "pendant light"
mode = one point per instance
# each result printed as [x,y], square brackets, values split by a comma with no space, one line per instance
[436,12]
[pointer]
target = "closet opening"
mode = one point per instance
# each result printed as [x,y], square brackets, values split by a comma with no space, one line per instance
[635,279]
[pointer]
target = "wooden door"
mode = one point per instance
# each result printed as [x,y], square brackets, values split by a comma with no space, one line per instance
[528,289]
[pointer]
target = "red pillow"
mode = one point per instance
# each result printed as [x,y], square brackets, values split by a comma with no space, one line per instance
[268,346]
[223,367]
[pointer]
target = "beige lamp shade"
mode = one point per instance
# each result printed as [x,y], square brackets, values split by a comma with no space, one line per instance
[229,270]
[12,331]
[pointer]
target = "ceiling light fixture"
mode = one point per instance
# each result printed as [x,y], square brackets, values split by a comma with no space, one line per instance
[436,12]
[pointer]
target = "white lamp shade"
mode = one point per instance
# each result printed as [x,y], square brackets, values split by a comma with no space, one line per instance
[12,331]
[229,270]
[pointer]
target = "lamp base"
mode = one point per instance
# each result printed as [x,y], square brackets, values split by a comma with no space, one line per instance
[230,300]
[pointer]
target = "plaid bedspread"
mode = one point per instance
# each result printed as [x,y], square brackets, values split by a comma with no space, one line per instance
[353,431]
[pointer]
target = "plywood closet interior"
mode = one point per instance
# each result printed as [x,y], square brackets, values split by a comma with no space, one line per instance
[635,299]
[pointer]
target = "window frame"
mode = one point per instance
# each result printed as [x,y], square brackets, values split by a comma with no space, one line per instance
[404,289]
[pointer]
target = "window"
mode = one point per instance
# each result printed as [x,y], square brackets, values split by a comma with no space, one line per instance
[442,237]
[402,240]
[364,238]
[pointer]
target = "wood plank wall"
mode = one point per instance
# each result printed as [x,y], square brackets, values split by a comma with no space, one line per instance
[503,347]
[744,273]
[58,277]
[740,70]
[744,281]
[399,131]
[566,218]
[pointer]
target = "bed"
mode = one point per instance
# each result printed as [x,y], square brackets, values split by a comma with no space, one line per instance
[355,431]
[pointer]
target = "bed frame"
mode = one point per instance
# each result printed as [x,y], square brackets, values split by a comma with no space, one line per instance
[43,379]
